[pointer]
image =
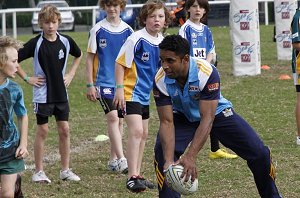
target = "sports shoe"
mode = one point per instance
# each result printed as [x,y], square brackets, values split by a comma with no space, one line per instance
[122,165]
[298,140]
[221,153]
[69,175]
[113,165]
[40,177]
[134,184]
[147,183]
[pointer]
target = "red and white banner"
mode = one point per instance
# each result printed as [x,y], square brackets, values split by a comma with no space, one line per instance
[284,12]
[244,31]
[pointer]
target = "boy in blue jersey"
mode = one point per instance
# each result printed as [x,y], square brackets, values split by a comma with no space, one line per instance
[13,139]
[50,51]
[136,65]
[185,91]
[105,40]
[202,46]
[295,27]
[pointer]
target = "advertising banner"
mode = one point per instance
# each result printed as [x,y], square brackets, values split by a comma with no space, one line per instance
[245,37]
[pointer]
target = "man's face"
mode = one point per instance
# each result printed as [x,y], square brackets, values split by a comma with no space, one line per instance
[172,64]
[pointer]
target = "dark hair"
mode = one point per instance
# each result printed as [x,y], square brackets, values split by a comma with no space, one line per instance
[202,3]
[175,43]
[122,3]
[149,7]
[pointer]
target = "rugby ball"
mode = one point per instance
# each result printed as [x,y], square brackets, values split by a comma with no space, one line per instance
[176,183]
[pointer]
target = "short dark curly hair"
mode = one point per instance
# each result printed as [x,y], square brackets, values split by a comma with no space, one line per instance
[175,43]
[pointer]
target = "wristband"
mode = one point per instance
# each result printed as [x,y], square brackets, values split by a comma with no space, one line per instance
[26,78]
[89,85]
[119,86]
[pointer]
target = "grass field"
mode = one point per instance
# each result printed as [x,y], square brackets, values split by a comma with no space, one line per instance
[266,102]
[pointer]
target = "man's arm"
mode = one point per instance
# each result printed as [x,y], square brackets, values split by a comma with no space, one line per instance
[167,133]
[188,160]
[70,75]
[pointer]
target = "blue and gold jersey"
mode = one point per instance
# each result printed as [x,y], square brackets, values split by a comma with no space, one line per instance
[11,100]
[140,57]
[296,39]
[203,83]
[106,40]
[199,37]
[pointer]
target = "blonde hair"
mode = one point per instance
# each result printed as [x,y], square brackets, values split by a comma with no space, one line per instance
[7,42]
[49,13]
[149,8]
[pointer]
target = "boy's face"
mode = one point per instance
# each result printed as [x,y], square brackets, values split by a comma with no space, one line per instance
[155,21]
[112,11]
[10,68]
[196,12]
[50,27]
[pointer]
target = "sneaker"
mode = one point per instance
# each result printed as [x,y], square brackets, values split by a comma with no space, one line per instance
[221,153]
[113,165]
[18,191]
[40,177]
[69,175]
[134,184]
[298,140]
[122,165]
[147,183]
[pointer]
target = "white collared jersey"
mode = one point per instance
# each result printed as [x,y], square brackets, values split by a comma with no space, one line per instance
[106,40]
[203,83]
[50,62]
[199,37]
[140,57]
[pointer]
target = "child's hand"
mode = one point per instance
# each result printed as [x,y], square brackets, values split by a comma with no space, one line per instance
[68,79]
[21,152]
[36,81]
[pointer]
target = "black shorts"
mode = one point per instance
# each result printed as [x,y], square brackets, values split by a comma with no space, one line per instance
[44,110]
[107,106]
[297,88]
[137,108]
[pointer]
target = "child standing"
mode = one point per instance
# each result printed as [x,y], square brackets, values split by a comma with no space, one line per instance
[13,140]
[202,45]
[106,39]
[136,65]
[50,52]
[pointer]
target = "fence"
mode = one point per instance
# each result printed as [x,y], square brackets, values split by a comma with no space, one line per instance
[94,11]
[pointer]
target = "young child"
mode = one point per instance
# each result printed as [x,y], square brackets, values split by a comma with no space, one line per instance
[202,45]
[106,39]
[13,139]
[50,51]
[136,65]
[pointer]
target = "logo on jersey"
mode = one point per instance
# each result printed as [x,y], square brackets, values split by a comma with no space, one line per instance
[102,43]
[145,56]
[213,87]
[193,88]
[107,91]
[61,54]
[227,113]
[199,52]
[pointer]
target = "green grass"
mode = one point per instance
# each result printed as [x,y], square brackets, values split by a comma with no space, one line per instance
[266,102]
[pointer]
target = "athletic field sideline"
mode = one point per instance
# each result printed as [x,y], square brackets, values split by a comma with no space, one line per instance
[266,102]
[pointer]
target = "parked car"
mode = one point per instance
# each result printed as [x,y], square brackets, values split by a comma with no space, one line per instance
[67,17]
[129,15]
